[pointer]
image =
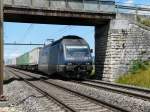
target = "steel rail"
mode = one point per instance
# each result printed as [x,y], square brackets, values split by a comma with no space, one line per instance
[126,92]
[51,97]
[145,90]
[80,94]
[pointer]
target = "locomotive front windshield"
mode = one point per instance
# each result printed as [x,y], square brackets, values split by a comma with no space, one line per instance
[77,51]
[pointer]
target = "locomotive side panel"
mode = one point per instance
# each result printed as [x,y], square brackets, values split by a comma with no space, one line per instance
[43,60]
[53,58]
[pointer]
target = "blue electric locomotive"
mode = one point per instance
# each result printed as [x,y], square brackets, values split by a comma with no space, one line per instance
[69,56]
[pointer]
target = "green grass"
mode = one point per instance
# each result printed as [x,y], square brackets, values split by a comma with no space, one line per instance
[146,22]
[143,21]
[140,77]
[93,71]
[92,74]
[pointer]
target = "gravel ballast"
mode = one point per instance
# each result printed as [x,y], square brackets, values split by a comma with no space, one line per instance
[23,98]
[130,103]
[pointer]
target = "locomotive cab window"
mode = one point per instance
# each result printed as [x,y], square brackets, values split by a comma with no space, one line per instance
[75,51]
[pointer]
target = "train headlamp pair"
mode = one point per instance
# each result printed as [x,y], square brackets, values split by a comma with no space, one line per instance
[69,63]
[87,63]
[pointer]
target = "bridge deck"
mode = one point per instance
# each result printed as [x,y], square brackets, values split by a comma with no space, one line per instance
[105,6]
[59,11]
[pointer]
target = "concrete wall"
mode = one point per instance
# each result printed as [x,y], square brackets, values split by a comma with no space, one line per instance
[125,42]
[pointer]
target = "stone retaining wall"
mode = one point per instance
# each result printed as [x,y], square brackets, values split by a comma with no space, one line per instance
[126,41]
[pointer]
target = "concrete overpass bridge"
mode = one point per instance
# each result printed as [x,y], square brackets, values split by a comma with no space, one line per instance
[74,12]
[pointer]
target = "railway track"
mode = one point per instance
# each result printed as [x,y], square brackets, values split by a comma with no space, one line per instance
[118,88]
[139,89]
[80,102]
[47,95]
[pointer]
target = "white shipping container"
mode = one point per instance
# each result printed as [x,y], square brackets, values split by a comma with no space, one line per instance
[11,62]
[34,56]
[14,61]
[8,62]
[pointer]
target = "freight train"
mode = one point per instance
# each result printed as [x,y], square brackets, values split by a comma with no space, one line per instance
[69,56]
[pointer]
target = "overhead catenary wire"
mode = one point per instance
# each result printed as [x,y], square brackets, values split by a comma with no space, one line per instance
[60,31]
[65,30]
[29,29]
[26,33]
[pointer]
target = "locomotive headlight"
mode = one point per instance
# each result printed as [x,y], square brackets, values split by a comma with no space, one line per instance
[87,63]
[69,63]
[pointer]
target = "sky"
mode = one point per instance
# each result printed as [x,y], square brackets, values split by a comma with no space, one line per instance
[142,2]
[38,33]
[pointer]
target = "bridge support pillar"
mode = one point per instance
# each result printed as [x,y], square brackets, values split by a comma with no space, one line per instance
[101,39]
[2,98]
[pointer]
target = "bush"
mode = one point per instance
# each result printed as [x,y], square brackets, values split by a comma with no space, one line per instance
[143,21]
[93,75]
[139,74]
[142,79]
[146,22]
[138,65]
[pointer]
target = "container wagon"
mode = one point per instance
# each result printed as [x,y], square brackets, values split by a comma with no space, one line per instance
[11,62]
[29,60]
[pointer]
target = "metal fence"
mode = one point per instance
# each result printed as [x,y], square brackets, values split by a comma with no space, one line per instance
[133,9]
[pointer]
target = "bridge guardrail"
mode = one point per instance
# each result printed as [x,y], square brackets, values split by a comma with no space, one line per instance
[137,9]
